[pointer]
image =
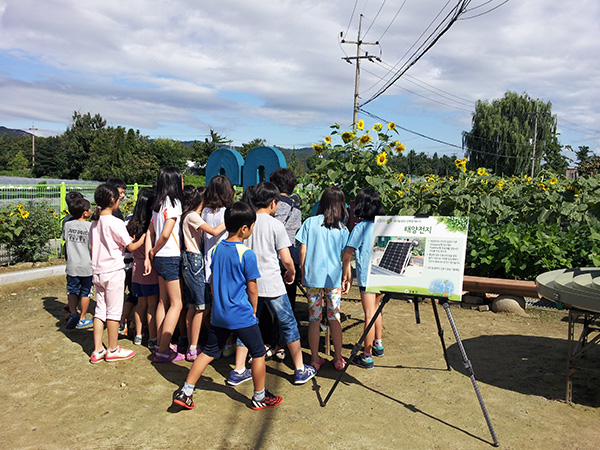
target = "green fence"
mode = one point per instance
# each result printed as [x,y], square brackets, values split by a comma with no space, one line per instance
[54,197]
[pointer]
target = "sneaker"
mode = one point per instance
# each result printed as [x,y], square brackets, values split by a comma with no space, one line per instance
[364,361]
[72,322]
[301,376]
[172,356]
[228,351]
[269,401]
[85,323]
[119,354]
[98,356]
[123,329]
[377,350]
[183,400]
[238,378]
[137,340]
[193,354]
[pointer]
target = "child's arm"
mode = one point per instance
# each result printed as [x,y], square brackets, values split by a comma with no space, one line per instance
[214,231]
[252,289]
[302,258]
[147,260]
[137,244]
[288,263]
[347,270]
[164,236]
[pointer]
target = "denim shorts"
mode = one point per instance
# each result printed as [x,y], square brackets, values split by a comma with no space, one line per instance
[167,267]
[81,286]
[194,286]
[144,290]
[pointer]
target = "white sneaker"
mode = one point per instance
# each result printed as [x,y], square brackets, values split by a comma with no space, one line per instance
[119,354]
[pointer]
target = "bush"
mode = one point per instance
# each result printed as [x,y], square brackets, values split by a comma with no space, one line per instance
[27,229]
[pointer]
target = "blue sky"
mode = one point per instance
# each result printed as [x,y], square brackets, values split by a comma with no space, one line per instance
[274,69]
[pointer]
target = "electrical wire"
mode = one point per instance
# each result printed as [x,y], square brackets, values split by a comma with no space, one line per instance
[374,19]
[485,12]
[351,17]
[392,21]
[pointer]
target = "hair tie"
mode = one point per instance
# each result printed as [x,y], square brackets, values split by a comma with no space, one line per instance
[99,207]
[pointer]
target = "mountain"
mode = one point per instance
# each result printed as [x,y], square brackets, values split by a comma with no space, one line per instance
[10,132]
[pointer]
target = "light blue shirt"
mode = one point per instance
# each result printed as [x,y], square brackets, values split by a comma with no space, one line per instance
[324,246]
[360,240]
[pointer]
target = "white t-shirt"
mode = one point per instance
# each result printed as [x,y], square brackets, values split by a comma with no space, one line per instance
[168,211]
[213,219]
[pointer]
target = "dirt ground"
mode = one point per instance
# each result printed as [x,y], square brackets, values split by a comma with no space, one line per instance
[53,398]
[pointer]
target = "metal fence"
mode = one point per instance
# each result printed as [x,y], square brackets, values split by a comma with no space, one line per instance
[54,196]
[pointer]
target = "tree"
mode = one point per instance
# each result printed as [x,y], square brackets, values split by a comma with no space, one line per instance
[510,133]
[79,138]
[251,145]
[18,162]
[202,150]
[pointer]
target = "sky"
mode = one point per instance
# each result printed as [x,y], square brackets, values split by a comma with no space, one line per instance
[274,69]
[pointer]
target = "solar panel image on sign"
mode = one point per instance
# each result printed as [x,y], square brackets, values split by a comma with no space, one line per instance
[397,255]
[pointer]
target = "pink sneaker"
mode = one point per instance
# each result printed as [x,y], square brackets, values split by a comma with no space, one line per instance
[98,356]
[119,354]
[172,356]
[193,354]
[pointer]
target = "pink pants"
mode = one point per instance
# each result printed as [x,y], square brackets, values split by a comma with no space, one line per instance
[110,291]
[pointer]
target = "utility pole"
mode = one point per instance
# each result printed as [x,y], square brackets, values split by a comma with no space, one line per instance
[358,57]
[33,129]
[534,139]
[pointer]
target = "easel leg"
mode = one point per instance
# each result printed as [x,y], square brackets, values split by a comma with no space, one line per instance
[440,332]
[470,371]
[357,347]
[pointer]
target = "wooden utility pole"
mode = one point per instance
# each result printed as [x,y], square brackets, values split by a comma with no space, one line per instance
[537,107]
[33,129]
[358,57]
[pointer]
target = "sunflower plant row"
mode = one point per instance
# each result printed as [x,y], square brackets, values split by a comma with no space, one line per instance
[519,227]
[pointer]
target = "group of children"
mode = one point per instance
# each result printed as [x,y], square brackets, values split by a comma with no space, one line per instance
[225,260]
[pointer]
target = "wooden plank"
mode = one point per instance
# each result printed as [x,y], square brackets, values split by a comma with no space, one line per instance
[522,288]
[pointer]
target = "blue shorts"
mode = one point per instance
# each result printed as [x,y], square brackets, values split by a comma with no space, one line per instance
[80,286]
[194,286]
[250,336]
[167,267]
[144,290]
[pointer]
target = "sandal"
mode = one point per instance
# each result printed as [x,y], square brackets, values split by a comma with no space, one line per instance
[318,364]
[339,364]
[270,351]
[279,355]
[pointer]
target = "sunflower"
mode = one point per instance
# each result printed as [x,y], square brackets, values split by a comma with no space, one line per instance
[327,139]
[543,186]
[481,172]
[377,127]
[364,139]
[399,177]
[554,180]
[361,124]
[400,147]
[381,159]
[347,136]
[391,126]
[317,148]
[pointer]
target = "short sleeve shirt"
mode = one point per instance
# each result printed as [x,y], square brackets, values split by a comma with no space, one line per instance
[192,234]
[233,265]
[76,234]
[213,219]
[167,211]
[324,246]
[360,240]
[109,237]
[269,236]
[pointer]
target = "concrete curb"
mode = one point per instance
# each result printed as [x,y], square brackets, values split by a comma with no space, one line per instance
[32,274]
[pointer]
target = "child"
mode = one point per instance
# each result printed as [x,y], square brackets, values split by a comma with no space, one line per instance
[290,215]
[76,234]
[234,274]
[192,268]
[270,242]
[323,238]
[218,196]
[109,239]
[145,288]
[367,206]
[165,255]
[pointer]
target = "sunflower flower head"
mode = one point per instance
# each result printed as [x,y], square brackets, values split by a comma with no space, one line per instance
[364,139]
[377,127]
[347,136]
[391,126]
[327,139]
[317,148]
[381,158]
[360,124]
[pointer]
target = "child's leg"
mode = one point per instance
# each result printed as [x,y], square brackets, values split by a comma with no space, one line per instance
[280,307]
[99,314]
[114,288]
[259,370]
[72,300]
[127,308]
[161,307]
[315,305]
[85,304]
[370,303]
[151,316]
[172,316]
[194,325]
[139,314]
[216,341]
[112,327]
[98,332]
[241,354]
[334,297]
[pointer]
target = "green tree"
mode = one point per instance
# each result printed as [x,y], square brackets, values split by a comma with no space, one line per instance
[201,151]
[50,157]
[506,131]
[245,149]
[18,162]
[79,138]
